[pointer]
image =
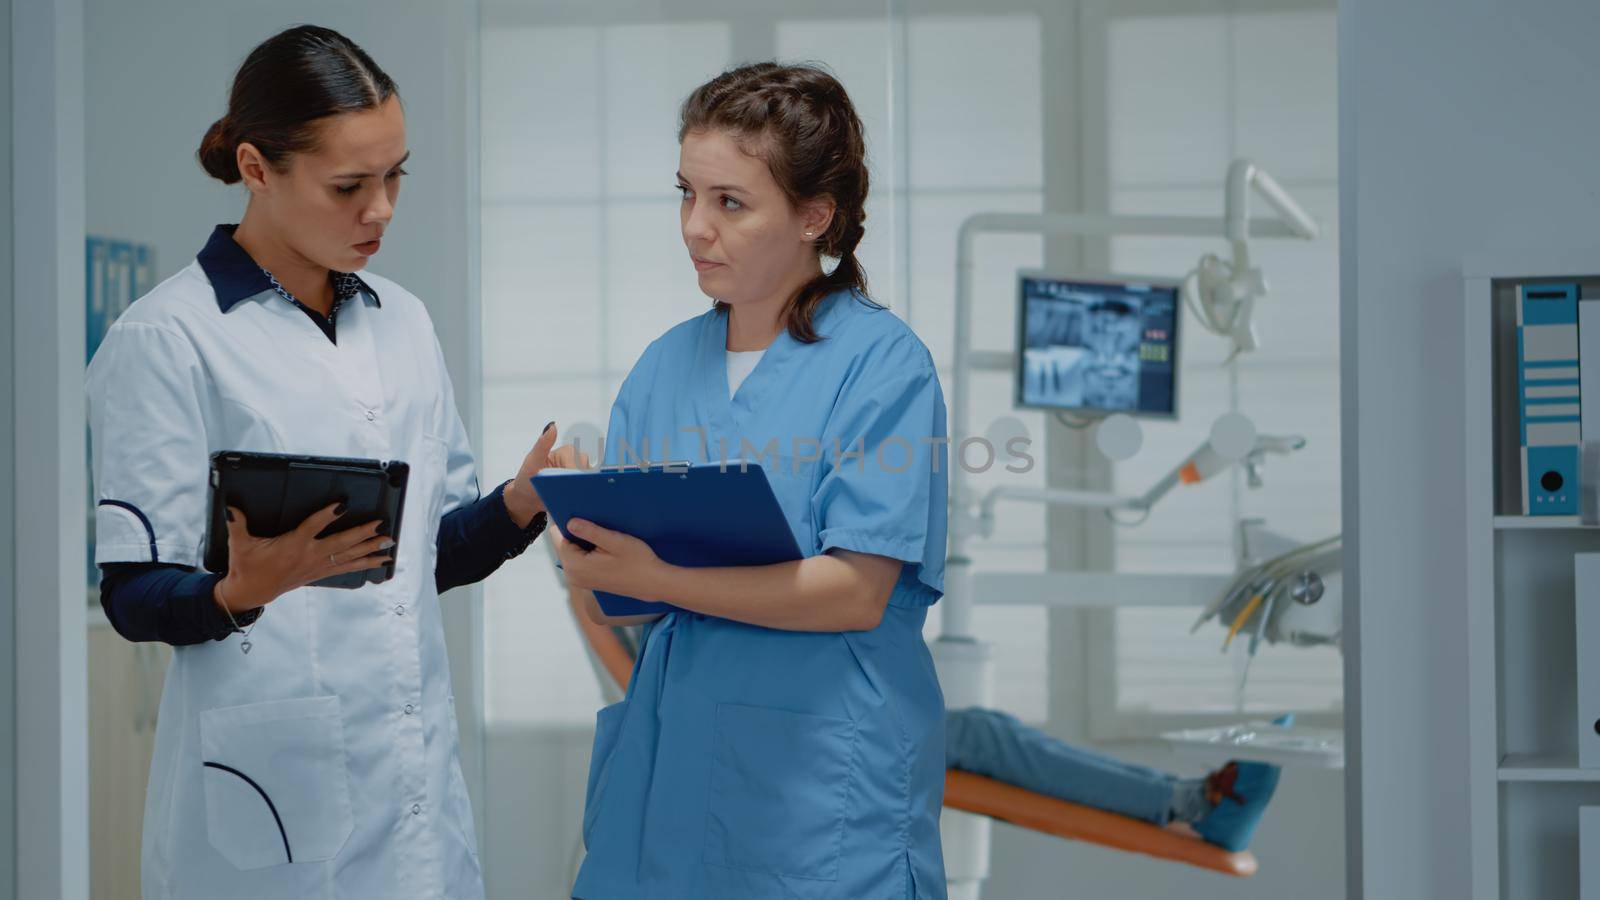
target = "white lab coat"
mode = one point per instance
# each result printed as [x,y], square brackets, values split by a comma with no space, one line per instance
[334,740]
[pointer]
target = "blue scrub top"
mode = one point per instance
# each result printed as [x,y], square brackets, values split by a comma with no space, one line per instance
[749,763]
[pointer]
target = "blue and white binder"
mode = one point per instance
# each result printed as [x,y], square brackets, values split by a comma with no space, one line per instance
[1550,401]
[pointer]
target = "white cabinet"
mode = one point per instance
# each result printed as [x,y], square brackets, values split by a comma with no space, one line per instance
[124,694]
[1526,784]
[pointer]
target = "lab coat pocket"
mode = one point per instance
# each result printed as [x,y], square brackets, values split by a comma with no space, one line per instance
[780,787]
[276,781]
[607,729]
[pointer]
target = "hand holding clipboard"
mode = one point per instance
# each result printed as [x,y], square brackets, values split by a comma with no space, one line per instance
[690,516]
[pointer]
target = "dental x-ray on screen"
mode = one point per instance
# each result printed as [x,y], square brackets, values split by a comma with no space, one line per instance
[1098,346]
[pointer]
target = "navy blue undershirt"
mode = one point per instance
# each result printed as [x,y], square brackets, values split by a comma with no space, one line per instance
[173,604]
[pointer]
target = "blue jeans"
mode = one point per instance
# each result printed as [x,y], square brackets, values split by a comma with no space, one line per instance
[995,745]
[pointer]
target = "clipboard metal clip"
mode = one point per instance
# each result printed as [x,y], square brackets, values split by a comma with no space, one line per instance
[675,467]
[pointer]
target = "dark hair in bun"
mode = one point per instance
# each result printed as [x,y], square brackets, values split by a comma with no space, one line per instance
[286,85]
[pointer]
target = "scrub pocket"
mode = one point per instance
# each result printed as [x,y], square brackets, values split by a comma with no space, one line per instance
[276,781]
[780,785]
[607,729]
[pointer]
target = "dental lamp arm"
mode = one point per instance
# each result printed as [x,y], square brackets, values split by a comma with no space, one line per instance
[1206,462]
[1054,497]
[1244,175]
[1223,294]
[1195,468]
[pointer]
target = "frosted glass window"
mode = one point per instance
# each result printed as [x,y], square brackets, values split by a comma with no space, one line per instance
[538,142]
[1285,80]
[1187,94]
[583,265]
[541,289]
[857,52]
[937,217]
[649,70]
[651,285]
[860,54]
[980,123]
[1167,94]
[537,667]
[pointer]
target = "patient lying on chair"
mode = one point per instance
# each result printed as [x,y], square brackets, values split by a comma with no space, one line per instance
[1224,807]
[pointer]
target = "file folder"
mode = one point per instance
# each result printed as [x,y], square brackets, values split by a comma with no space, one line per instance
[693,516]
[1548,398]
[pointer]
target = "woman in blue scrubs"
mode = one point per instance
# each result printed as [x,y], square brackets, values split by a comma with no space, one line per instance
[783,735]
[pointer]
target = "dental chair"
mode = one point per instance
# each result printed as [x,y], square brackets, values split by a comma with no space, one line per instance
[613,662]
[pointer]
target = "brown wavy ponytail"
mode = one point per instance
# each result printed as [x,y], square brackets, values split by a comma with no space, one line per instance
[799,119]
[287,83]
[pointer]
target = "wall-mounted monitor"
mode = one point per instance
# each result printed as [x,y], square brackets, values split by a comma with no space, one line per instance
[1097,346]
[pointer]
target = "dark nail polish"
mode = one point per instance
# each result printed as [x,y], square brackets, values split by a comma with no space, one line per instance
[550,426]
[341,509]
[229,514]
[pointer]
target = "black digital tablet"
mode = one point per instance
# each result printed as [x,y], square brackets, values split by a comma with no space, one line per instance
[278,491]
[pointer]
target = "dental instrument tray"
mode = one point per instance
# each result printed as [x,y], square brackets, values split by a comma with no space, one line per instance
[1268,742]
[277,492]
[692,516]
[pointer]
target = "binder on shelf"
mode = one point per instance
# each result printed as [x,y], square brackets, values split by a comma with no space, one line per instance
[1589,368]
[1549,398]
[1586,631]
[1589,853]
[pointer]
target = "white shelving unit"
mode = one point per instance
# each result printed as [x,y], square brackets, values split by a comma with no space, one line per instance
[1525,784]
[1533,767]
[1538,523]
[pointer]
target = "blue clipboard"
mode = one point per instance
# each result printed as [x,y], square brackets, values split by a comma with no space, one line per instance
[693,516]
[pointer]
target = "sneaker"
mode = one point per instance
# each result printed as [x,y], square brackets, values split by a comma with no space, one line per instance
[1239,792]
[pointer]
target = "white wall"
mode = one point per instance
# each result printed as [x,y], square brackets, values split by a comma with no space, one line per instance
[8,477]
[1464,127]
[46,355]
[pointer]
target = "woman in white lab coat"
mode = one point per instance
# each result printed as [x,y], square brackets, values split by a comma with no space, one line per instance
[307,744]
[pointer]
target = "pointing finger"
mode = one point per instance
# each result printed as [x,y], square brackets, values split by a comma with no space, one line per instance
[547,440]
